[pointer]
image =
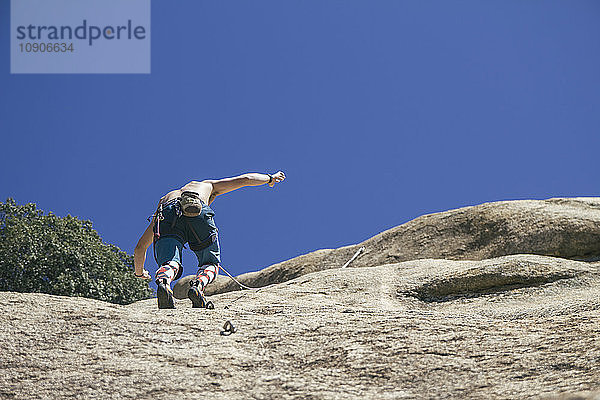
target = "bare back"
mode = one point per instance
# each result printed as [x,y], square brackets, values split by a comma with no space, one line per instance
[204,190]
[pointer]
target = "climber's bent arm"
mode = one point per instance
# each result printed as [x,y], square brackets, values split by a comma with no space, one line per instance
[139,253]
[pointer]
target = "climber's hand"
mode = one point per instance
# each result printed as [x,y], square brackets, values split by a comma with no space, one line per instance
[278,177]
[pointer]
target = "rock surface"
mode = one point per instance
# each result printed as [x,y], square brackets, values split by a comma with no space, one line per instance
[497,301]
[562,227]
[514,327]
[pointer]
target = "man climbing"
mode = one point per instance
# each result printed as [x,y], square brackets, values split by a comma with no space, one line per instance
[184,216]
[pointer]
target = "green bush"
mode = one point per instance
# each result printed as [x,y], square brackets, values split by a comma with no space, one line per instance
[62,256]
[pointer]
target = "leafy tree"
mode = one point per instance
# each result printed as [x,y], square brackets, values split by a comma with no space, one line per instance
[62,256]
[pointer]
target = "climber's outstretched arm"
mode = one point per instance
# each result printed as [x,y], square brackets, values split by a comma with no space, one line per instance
[226,185]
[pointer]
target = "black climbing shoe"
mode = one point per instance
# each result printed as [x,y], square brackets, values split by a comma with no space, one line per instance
[164,295]
[197,298]
[195,295]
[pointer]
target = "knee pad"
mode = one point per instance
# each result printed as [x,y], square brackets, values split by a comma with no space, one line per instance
[170,269]
[207,273]
[208,269]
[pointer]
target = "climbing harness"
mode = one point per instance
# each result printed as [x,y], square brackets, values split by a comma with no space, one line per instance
[189,200]
[157,216]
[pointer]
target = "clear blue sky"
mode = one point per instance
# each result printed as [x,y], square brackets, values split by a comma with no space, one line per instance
[378,112]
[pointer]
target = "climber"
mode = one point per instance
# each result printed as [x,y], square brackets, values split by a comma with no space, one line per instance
[184,216]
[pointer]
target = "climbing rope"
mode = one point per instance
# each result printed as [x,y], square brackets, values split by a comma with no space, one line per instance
[242,286]
[354,256]
[239,283]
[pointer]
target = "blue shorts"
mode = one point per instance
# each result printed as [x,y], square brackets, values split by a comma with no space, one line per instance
[169,249]
[199,232]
